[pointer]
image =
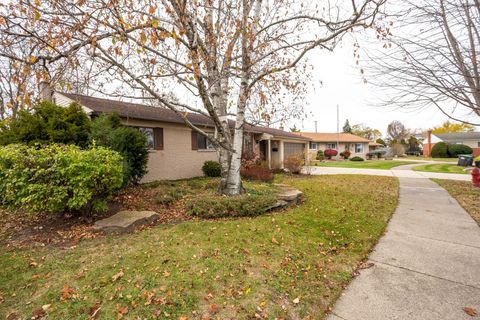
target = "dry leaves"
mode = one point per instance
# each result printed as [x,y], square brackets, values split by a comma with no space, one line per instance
[94,310]
[121,311]
[118,276]
[470,311]
[67,292]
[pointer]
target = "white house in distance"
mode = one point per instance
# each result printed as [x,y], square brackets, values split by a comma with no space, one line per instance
[357,146]
[471,139]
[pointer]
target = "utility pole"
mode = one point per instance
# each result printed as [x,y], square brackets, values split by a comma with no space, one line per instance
[338,132]
[315,126]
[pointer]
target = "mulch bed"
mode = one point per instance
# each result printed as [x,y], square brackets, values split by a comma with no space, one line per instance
[20,229]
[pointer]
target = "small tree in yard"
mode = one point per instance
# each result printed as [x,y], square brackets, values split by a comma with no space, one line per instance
[108,131]
[233,56]
[48,123]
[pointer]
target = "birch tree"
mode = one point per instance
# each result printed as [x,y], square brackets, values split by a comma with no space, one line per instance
[431,58]
[230,56]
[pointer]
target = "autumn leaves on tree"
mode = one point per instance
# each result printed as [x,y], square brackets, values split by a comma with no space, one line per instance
[228,59]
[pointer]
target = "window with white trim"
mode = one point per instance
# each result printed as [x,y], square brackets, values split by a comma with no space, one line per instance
[358,147]
[312,146]
[332,146]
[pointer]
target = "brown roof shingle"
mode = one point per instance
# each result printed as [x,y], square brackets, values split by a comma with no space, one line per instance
[143,112]
[332,137]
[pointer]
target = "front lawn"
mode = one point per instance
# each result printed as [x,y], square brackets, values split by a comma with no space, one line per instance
[441,168]
[291,264]
[432,159]
[466,195]
[367,164]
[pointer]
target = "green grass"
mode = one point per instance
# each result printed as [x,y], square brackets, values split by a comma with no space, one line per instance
[466,195]
[222,268]
[433,159]
[441,168]
[367,164]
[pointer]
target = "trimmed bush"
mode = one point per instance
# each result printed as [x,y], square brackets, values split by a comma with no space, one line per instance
[212,169]
[455,149]
[107,131]
[217,206]
[58,178]
[169,197]
[293,164]
[259,172]
[357,159]
[440,150]
[48,123]
[329,153]
[320,155]
[346,154]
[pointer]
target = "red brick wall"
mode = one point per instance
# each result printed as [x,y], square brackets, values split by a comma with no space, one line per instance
[476,152]
[426,150]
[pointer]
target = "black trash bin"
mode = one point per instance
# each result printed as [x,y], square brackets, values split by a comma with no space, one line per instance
[465,160]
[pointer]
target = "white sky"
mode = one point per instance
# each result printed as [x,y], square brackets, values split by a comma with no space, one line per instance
[358,102]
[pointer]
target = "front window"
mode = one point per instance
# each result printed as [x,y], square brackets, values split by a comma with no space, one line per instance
[332,146]
[203,143]
[358,147]
[313,146]
[148,132]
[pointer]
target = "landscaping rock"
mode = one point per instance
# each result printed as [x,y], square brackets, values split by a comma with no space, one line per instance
[289,194]
[125,221]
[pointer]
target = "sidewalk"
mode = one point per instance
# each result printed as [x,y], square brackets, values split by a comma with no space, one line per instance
[426,266]
[400,171]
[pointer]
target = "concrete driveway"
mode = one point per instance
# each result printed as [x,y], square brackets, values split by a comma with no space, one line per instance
[404,171]
[426,266]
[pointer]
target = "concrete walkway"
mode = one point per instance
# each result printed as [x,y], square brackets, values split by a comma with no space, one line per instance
[426,266]
[400,171]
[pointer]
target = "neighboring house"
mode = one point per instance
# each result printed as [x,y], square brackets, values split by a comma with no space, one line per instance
[358,146]
[176,151]
[471,139]
[372,145]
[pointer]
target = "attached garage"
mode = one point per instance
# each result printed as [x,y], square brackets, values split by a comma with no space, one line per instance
[292,148]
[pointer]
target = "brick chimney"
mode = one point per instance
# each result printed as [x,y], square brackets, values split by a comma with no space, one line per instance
[429,138]
[46,92]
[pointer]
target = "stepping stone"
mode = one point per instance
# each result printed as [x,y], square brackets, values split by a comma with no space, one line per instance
[125,221]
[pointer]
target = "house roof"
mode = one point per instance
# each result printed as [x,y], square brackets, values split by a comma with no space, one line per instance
[332,137]
[456,136]
[144,112]
[374,144]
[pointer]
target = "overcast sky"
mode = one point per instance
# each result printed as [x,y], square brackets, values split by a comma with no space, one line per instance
[358,102]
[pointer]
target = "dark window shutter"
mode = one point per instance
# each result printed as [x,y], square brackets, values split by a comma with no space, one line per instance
[158,138]
[194,140]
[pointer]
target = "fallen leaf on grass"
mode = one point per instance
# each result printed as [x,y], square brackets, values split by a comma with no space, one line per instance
[67,292]
[117,276]
[213,309]
[275,241]
[38,314]
[121,311]
[94,310]
[13,316]
[470,311]
[296,300]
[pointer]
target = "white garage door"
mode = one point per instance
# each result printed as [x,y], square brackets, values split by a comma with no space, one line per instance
[290,148]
